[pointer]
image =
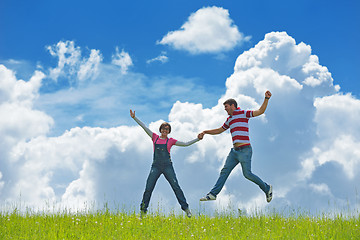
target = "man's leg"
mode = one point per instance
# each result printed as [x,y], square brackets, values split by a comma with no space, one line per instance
[150,185]
[245,160]
[230,163]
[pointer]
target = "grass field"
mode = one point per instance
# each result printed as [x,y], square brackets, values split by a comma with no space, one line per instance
[121,225]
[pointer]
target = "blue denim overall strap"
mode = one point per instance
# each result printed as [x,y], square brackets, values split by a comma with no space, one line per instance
[161,154]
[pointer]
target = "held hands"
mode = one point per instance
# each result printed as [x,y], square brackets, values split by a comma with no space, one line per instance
[132,114]
[201,135]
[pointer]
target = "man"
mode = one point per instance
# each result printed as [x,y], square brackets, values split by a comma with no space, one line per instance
[242,151]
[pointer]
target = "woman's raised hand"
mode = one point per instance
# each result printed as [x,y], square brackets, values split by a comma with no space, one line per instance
[132,114]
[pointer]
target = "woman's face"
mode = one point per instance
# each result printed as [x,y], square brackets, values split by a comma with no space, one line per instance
[164,131]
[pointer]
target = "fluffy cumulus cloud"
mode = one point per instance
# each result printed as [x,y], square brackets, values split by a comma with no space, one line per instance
[83,161]
[19,121]
[340,146]
[305,145]
[208,30]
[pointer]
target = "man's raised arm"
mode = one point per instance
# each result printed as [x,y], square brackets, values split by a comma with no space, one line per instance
[263,107]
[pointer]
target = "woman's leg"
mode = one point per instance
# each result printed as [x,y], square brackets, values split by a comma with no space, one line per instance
[150,185]
[170,176]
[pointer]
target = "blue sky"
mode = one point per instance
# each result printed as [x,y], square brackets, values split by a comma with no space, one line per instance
[70,71]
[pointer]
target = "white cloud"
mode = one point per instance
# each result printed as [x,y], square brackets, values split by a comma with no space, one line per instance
[68,56]
[75,168]
[277,51]
[71,63]
[338,130]
[162,58]
[83,164]
[89,67]
[208,30]
[1,182]
[19,121]
[321,188]
[13,91]
[316,74]
[344,111]
[122,59]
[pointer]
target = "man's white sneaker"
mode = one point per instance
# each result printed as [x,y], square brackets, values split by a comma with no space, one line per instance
[269,195]
[208,197]
[188,213]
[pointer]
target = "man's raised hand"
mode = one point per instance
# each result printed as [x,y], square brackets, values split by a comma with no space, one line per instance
[268,94]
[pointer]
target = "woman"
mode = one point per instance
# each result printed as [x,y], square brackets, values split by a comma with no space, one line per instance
[162,164]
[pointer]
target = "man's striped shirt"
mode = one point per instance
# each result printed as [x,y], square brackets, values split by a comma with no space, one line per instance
[239,126]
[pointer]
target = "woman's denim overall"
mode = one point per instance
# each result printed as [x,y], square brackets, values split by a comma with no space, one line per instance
[162,165]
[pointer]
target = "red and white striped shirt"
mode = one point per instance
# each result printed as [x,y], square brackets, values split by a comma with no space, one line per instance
[239,126]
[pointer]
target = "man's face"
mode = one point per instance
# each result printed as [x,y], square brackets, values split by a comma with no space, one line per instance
[229,108]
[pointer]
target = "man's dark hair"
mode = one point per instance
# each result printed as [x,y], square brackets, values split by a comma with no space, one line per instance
[165,124]
[231,101]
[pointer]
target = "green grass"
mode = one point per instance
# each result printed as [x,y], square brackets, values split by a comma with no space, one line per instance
[121,225]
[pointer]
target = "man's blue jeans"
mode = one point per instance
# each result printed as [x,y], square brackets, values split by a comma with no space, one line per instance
[169,173]
[235,157]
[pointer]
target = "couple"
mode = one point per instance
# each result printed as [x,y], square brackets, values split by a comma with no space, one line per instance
[240,153]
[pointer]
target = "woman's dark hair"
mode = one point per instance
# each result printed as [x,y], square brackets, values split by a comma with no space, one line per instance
[231,101]
[165,124]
